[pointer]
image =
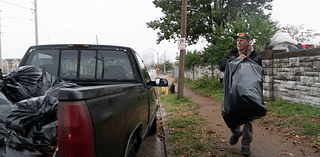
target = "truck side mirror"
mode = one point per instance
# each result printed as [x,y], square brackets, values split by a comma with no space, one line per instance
[159,82]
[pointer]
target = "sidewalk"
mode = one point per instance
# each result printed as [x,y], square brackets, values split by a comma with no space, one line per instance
[265,143]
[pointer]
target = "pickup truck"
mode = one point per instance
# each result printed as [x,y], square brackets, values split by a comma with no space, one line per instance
[115,105]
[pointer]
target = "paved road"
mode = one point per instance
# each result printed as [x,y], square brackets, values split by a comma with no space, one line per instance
[152,147]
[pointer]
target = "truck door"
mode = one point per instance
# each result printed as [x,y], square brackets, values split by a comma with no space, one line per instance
[152,105]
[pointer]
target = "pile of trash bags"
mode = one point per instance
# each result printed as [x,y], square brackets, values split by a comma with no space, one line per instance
[243,92]
[28,112]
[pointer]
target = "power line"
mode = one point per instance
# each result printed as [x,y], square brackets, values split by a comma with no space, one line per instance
[15,5]
[16,18]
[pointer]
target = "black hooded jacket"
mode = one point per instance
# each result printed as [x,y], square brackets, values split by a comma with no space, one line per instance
[234,54]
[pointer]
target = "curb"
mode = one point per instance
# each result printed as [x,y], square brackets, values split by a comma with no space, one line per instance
[167,147]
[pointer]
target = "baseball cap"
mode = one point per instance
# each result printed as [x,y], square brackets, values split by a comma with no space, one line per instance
[242,35]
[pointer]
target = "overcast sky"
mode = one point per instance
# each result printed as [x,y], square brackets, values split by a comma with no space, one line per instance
[117,22]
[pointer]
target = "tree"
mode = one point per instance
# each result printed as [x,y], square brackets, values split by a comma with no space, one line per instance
[191,58]
[259,27]
[201,16]
[222,35]
[299,33]
[169,66]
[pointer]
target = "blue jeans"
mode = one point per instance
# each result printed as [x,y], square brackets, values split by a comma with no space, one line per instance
[247,134]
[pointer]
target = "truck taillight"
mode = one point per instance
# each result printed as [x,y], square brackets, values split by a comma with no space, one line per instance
[75,132]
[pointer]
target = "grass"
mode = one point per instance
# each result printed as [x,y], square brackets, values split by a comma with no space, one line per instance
[210,86]
[188,130]
[303,118]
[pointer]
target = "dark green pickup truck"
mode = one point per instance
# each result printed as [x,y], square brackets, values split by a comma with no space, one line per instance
[115,105]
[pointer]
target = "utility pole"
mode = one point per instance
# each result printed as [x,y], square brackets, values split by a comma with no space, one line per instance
[36,21]
[158,65]
[182,52]
[157,62]
[164,64]
[0,44]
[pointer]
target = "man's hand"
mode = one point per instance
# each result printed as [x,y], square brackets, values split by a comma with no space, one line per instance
[242,56]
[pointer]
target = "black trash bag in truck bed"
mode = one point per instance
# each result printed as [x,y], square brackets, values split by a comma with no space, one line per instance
[27,82]
[28,112]
[243,97]
[54,91]
[43,144]
[5,110]
[31,114]
[31,127]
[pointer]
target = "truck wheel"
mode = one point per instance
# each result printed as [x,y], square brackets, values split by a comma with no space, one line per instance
[131,152]
[153,129]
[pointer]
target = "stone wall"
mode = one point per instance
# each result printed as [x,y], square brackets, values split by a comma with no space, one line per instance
[200,70]
[292,76]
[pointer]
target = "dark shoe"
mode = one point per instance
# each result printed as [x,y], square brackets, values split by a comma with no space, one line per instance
[234,139]
[245,152]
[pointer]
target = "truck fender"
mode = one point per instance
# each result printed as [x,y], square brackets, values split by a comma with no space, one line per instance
[132,140]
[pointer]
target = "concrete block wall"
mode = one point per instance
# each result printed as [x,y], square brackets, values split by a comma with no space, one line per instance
[199,70]
[292,76]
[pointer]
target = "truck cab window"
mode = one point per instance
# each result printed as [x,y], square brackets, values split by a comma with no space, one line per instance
[69,63]
[46,60]
[88,64]
[114,65]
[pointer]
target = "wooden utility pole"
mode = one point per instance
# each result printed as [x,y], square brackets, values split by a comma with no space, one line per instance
[0,45]
[36,21]
[182,52]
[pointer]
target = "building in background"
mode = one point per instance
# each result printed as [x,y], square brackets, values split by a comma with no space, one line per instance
[8,64]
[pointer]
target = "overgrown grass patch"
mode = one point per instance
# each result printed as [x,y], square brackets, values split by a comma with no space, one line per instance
[210,86]
[297,120]
[296,115]
[189,133]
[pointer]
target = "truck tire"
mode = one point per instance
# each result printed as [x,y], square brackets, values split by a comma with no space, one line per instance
[131,152]
[153,129]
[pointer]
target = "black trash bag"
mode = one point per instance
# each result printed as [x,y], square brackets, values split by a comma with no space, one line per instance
[21,83]
[10,152]
[18,146]
[27,82]
[48,81]
[43,142]
[4,132]
[54,91]
[5,107]
[47,135]
[243,92]
[5,110]
[31,114]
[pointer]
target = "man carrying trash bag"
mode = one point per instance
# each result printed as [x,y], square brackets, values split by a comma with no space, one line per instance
[242,87]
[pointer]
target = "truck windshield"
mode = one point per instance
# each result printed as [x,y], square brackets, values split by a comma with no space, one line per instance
[83,64]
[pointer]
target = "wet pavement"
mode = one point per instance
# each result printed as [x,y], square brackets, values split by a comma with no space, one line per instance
[152,147]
